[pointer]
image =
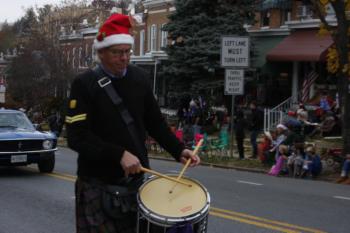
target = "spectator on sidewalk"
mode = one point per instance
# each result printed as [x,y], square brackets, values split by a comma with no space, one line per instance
[307,127]
[255,126]
[239,132]
[344,176]
[281,135]
[264,148]
[326,127]
[326,102]
[280,162]
[296,160]
[312,163]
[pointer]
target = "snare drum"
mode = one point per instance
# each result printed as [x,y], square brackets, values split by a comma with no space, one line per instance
[183,206]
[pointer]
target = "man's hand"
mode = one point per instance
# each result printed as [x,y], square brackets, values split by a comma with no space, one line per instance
[186,154]
[130,163]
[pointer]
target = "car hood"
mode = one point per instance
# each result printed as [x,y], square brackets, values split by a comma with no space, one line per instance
[18,134]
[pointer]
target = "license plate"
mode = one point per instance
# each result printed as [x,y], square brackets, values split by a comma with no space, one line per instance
[18,158]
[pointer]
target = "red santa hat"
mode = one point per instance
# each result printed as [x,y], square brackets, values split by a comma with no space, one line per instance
[116,30]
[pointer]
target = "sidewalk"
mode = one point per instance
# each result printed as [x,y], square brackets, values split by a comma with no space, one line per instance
[249,165]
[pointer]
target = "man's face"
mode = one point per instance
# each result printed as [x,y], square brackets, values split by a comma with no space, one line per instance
[115,58]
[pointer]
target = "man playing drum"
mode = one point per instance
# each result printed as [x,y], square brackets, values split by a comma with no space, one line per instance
[107,154]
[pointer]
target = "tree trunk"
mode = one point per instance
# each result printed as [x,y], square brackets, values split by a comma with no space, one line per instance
[341,41]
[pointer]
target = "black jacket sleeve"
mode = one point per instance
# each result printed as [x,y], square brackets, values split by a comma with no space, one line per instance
[81,137]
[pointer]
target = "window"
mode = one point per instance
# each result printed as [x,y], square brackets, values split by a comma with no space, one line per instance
[305,12]
[93,54]
[164,40]
[285,16]
[73,58]
[80,56]
[149,39]
[68,57]
[330,10]
[142,42]
[86,55]
[265,19]
[154,37]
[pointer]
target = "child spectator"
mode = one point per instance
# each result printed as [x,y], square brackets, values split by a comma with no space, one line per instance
[264,147]
[283,155]
[296,160]
[312,164]
[344,176]
[281,132]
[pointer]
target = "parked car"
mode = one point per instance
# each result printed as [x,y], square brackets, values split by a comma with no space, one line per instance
[22,144]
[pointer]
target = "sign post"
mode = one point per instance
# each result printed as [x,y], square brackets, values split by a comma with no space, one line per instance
[234,54]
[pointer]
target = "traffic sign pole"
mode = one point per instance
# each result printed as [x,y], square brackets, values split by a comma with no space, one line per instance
[232,123]
[234,54]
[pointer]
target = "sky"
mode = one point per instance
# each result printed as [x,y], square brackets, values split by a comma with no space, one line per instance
[15,9]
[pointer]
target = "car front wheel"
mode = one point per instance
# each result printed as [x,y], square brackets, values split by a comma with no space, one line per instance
[47,163]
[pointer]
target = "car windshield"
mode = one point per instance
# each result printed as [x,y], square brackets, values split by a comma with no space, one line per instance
[15,120]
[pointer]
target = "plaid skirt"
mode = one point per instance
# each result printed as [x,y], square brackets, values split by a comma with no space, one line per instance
[90,217]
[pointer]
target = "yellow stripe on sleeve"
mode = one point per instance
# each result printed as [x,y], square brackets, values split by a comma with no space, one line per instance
[80,117]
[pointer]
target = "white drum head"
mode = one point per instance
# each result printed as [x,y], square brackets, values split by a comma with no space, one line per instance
[181,202]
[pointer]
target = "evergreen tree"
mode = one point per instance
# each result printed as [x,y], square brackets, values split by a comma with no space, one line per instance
[195,29]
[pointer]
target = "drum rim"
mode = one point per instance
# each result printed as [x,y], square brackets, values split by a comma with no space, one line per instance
[146,212]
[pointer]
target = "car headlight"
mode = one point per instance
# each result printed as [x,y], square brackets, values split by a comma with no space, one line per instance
[47,144]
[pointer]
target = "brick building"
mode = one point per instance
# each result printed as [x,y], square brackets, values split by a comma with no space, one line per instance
[285,44]
[149,39]
[288,48]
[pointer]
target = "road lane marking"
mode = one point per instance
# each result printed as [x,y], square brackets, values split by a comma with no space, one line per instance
[283,224]
[343,198]
[62,176]
[247,182]
[227,214]
[255,223]
[57,175]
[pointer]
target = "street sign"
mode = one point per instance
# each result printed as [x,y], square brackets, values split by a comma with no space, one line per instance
[234,82]
[235,51]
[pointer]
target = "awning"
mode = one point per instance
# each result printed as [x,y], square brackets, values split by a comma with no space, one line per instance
[303,45]
[262,45]
[275,4]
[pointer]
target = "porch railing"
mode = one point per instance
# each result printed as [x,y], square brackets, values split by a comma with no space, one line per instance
[276,115]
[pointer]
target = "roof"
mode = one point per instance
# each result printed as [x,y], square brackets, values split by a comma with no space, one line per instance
[302,45]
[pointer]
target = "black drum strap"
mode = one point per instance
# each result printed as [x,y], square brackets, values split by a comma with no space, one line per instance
[105,82]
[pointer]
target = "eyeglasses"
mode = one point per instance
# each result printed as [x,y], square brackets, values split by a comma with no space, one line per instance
[120,52]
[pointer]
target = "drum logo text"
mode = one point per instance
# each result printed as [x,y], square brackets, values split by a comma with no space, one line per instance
[186,209]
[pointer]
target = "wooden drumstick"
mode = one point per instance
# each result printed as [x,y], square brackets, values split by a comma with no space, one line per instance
[196,149]
[165,176]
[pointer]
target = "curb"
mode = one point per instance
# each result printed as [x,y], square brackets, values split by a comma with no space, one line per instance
[213,165]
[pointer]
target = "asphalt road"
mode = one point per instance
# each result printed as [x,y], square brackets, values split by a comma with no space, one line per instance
[242,202]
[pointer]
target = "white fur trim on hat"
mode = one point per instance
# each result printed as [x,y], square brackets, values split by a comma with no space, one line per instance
[113,40]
